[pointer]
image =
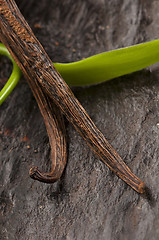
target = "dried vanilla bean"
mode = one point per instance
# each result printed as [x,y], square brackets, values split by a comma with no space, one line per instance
[36,66]
[55,127]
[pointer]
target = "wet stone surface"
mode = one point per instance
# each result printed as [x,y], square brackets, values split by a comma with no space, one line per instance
[89,201]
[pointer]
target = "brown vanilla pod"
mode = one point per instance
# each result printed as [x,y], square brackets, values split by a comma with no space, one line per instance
[36,66]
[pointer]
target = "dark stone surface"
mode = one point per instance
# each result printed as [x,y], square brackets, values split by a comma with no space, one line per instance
[89,201]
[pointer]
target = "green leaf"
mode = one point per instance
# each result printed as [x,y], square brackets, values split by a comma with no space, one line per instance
[95,69]
[109,65]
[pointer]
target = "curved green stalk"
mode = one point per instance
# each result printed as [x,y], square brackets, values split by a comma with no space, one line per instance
[95,69]
[13,79]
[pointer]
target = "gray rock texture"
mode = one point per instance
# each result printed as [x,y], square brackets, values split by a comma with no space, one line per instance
[89,202]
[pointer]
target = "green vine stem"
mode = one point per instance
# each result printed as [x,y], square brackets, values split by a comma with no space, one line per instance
[14,77]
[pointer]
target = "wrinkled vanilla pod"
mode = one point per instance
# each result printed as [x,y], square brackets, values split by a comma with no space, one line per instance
[55,127]
[36,66]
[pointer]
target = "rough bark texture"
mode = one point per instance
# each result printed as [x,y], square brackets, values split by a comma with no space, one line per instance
[88,202]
